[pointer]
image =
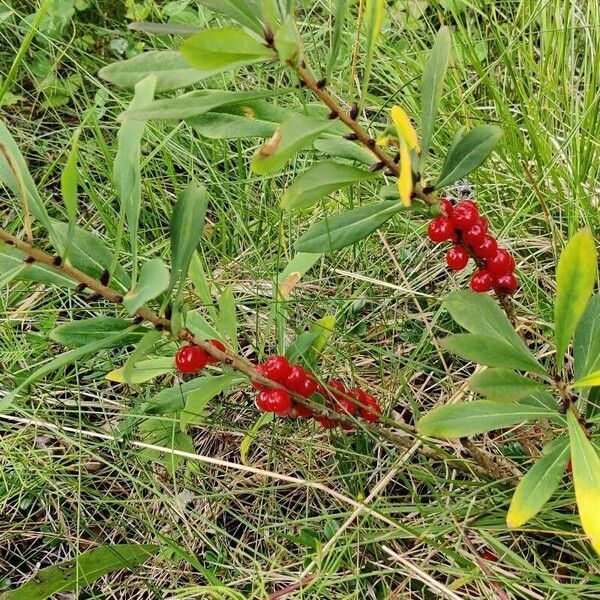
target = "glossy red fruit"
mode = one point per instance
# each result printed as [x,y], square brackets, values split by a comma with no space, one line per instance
[474,235]
[191,359]
[300,412]
[263,371]
[457,258]
[278,368]
[502,262]
[464,214]
[446,206]
[506,284]
[309,387]
[275,400]
[326,422]
[373,410]
[219,346]
[483,222]
[487,248]
[440,229]
[487,555]
[482,281]
[296,379]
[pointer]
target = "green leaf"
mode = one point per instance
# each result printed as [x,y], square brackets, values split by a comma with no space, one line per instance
[201,286]
[373,19]
[502,385]
[15,182]
[293,272]
[590,380]
[200,327]
[478,313]
[487,350]
[71,575]
[171,69]
[575,279]
[193,104]
[339,19]
[67,358]
[338,146]
[126,168]
[227,322]
[245,12]
[324,328]
[432,84]
[470,418]
[80,333]
[294,134]
[586,478]
[586,341]
[287,41]
[143,371]
[197,400]
[253,119]
[224,48]
[264,419]
[69,182]
[333,233]
[300,349]
[154,279]
[470,152]
[143,347]
[538,485]
[318,181]
[187,222]
[165,433]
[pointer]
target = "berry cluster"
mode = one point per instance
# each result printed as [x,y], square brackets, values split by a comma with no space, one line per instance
[297,379]
[192,359]
[468,231]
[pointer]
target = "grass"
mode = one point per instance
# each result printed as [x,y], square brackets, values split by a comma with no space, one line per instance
[532,67]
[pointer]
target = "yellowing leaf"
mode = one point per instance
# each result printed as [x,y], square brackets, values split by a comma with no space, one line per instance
[405,182]
[404,127]
[586,477]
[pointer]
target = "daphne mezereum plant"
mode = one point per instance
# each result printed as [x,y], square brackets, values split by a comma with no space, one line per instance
[390,162]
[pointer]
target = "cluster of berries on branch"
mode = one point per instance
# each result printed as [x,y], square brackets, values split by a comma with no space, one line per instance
[468,231]
[192,359]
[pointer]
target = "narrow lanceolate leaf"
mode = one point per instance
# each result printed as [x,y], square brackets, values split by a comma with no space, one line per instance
[126,170]
[80,333]
[15,181]
[405,179]
[339,20]
[480,314]
[347,228]
[373,20]
[586,478]
[227,321]
[245,12]
[187,223]
[287,41]
[487,350]
[575,279]
[586,341]
[590,380]
[538,485]
[338,146]
[171,69]
[71,575]
[471,418]
[143,347]
[289,278]
[503,385]
[431,88]
[143,370]
[192,104]
[470,152]
[320,180]
[69,182]
[154,279]
[224,48]
[12,268]
[293,135]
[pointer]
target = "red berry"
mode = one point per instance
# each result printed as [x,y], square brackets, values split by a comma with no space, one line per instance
[326,422]
[457,258]
[191,359]
[263,371]
[483,222]
[296,379]
[298,411]
[487,555]
[481,281]
[373,410]
[506,284]
[336,384]
[278,368]
[275,400]
[440,229]
[464,214]
[309,387]
[474,235]
[446,206]
[219,346]
[487,248]
[502,262]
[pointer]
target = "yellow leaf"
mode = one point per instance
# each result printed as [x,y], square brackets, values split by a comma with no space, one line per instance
[586,478]
[405,181]
[404,127]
